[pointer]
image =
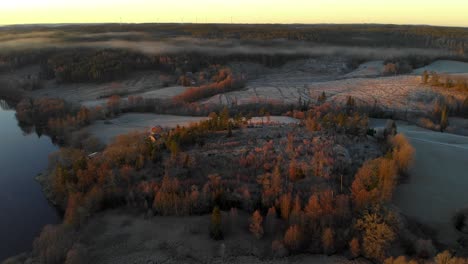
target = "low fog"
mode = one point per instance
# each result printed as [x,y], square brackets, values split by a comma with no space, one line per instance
[215,47]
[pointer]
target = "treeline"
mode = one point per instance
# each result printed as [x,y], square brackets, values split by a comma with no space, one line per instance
[224,82]
[445,80]
[102,65]
[54,117]
[355,35]
[90,65]
[11,60]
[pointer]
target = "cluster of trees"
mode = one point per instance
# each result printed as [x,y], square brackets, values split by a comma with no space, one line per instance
[224,82]
[399,67]
[92,66]
[445,80]
[444,257]
[376,179]
[445,105]
[82,185]
[318,222]
[159,175]
[54,116]
[443,108]
[327,117]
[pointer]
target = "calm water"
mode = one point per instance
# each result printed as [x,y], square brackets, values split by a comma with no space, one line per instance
[23,208]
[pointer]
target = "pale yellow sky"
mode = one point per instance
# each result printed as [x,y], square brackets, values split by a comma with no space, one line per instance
[433,12]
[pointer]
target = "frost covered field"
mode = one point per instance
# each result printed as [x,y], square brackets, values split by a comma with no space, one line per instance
[436,188]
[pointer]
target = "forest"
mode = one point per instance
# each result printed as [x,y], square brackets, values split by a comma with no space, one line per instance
[302,194]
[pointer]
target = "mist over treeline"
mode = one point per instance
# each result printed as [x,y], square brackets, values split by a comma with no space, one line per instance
[77,53]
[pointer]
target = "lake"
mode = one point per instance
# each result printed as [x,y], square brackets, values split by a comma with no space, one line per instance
[24,208]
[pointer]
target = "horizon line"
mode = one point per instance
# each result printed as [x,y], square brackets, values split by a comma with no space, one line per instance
[221,23]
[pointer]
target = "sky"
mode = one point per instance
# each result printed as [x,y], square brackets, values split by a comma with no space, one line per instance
[432,12]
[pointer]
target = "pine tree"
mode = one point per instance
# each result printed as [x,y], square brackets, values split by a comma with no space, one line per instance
[322,98]
[444,118]
[256,226]
[270,221]
[354,247]
[328,241]
[215,228]
[293,238]
[285,206]
[425,77]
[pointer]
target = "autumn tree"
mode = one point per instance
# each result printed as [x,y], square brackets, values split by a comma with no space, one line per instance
[295,172]
[75,213]
[328,241]
[354,247]
[376,235]
[465,107]
[313,209]
[374,182]
[168,200]
[293,238]
[387,176]
[256,226]
[447,258]
[425,77]
[444,118]
[285,205]
[53,244]
[343,210]
[403,152]
[390,68]
[113,104]
[77,255]
[271,221]
[322,160]
[296,216]
[216,231]
[435,80]
[322,98]
[350,103]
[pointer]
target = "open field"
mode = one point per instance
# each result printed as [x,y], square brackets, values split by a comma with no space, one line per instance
[123,124]
[301,79]
[119,237]
[107,130]
[444,66]
[138,83]
[436,188]
[399,92]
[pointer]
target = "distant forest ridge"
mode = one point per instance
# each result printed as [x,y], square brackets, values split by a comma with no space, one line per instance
[375,35]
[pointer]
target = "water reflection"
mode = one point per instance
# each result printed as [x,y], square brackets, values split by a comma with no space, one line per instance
[24,209]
